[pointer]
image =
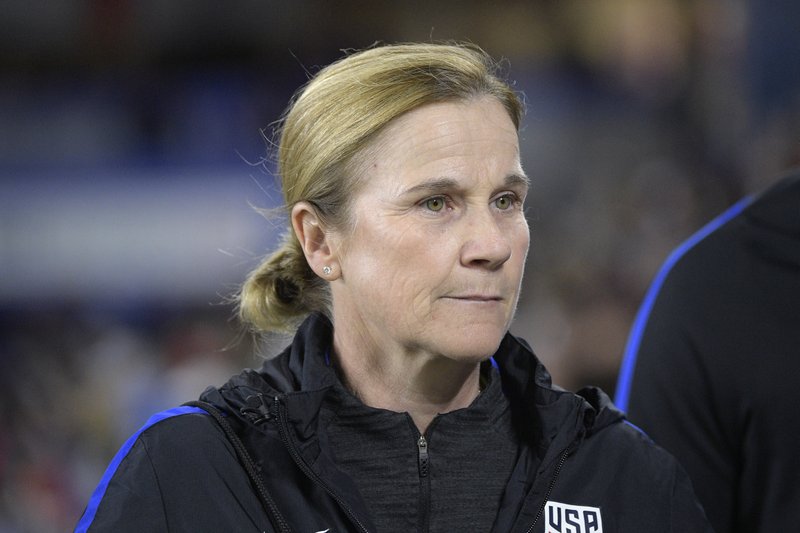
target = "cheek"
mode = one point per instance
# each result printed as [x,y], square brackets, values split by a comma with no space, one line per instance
[421,301]
[378,264]
[397,264]
[410,277]
[522,241]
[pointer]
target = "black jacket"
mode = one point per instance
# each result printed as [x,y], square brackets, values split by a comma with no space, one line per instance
[713,362]
[182,473]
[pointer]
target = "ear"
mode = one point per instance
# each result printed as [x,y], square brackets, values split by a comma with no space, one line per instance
[315,240]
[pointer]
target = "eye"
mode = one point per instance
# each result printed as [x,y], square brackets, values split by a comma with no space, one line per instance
[505,202]
[435,204]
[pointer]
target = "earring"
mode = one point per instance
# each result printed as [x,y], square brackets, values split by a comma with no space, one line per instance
[327,270]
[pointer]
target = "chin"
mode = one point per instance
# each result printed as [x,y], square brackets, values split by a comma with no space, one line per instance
[470,359]
[475,345]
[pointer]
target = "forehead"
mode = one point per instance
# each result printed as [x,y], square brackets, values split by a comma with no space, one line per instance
[476,133]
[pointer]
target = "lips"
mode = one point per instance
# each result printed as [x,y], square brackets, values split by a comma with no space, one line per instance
[476,297]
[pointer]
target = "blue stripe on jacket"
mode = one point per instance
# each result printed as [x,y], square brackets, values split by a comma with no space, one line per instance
[97,496]
[625,379]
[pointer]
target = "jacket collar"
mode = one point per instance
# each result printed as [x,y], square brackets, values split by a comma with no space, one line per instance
[546,414]
[548,417]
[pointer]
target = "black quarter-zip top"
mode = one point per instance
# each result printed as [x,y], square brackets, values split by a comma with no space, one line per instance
[411,481]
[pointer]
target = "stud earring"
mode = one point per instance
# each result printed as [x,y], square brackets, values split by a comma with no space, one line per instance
[327,270]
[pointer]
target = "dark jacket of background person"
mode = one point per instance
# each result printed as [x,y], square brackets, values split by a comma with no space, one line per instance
[713,364]
[577,451]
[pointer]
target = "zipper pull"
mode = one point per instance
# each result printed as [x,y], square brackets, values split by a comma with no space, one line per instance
[422,447]
[275,409]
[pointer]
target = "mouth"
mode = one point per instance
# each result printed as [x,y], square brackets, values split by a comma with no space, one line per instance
[479,298]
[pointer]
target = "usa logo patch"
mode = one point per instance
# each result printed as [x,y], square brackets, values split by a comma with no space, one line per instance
[566,518]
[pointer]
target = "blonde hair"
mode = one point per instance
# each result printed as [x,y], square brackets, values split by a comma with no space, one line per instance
[327,126]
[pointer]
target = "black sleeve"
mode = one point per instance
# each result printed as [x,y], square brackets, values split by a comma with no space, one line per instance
[131,499]
[686,512]
[657,486]
[177,474]
[675,395]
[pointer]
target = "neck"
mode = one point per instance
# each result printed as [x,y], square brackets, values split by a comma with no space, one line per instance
[421,384]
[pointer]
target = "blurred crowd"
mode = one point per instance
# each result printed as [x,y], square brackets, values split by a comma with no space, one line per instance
[77,383]
[645,120]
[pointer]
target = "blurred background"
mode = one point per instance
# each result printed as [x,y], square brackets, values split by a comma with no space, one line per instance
[132,153]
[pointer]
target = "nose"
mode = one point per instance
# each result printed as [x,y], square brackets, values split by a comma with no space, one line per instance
[485,244]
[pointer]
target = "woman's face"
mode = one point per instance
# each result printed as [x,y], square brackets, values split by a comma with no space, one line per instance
[434,260]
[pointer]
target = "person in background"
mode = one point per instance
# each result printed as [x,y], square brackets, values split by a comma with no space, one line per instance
[713,362]
[403,403]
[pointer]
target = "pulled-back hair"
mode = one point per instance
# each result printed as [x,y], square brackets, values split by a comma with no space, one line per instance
[327,127]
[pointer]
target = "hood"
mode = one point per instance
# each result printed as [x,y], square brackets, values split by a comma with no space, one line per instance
[299,374]
[604,412]
[548,414]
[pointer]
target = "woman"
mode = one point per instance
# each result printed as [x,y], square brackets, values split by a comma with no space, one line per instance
[388,412]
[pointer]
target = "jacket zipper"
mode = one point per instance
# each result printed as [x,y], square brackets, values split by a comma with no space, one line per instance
[424,482]
[280,411]
[273,513]
[422,446]
[550,487]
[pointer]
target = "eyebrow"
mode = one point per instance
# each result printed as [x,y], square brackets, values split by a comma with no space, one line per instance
[517,179]
[443,184]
